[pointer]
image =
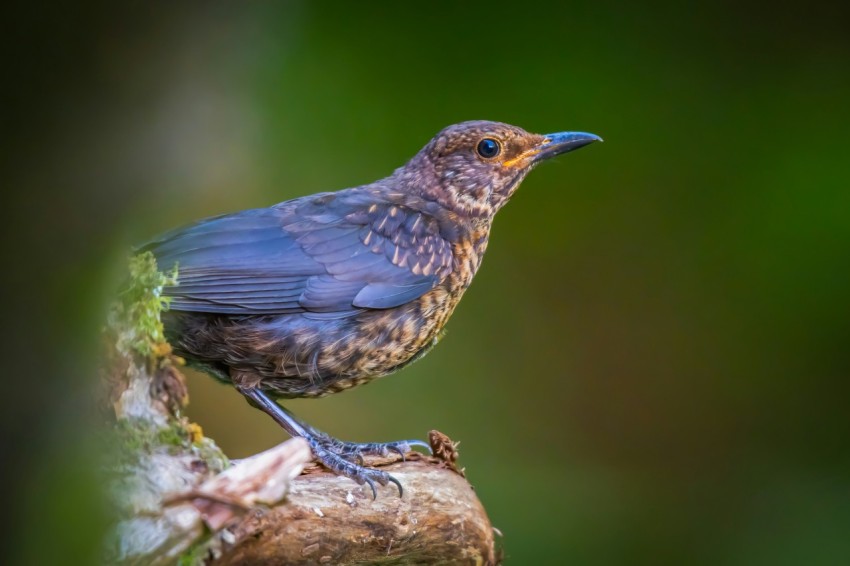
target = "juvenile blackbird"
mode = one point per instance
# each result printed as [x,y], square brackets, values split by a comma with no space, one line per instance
[324,292]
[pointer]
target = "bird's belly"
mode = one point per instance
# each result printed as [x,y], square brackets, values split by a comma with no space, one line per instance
[398,336]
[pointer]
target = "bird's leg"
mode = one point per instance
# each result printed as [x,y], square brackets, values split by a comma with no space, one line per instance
[335,454]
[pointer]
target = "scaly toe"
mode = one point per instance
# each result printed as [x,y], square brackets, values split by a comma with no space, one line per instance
[343,465]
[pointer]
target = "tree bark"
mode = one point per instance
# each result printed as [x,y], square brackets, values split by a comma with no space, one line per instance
[330,520]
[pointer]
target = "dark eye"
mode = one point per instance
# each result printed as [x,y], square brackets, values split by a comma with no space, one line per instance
[488,148]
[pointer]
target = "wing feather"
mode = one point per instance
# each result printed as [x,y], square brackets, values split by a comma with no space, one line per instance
[325,256]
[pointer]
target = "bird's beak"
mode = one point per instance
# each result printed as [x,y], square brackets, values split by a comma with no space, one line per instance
[562,142]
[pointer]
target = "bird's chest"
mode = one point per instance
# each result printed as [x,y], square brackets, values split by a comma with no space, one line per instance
[407,332]
[468,254]
[434,308]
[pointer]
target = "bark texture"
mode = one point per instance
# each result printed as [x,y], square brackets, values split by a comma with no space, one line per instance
[330,520]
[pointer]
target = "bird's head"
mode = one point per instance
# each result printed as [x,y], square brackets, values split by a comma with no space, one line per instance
[476,166]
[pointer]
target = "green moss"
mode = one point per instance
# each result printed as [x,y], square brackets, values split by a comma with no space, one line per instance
[136,438]
[174,436]
[210,453]
[195,555]
[135,318]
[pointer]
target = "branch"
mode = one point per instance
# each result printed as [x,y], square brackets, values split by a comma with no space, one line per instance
[328,519]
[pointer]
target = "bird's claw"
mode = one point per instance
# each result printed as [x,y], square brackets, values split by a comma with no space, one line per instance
[398,485]
[342,464]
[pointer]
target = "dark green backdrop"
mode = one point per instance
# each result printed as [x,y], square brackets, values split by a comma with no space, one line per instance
[652,365]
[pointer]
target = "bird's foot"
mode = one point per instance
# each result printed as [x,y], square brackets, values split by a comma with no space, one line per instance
[344,465]
[346,458]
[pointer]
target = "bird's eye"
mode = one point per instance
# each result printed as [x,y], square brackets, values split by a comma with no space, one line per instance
[489,148]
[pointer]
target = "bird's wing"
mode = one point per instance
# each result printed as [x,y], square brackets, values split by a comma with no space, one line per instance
[324,255]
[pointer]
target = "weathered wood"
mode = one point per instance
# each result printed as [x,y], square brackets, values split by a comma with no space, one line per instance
[331,520]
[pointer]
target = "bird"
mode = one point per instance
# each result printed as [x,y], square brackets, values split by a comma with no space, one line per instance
[321,293]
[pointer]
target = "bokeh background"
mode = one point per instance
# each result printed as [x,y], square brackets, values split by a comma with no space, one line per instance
[652,365]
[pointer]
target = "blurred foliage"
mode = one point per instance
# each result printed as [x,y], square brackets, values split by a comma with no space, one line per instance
[652,365]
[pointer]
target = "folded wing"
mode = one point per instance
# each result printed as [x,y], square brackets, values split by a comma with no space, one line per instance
[324,255]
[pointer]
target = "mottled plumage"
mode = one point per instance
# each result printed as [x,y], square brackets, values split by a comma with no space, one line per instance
[321,293]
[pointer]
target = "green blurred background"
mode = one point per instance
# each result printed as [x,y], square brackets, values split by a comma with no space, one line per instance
[652,365]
